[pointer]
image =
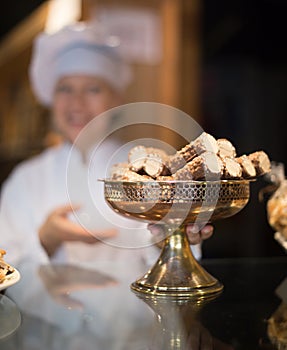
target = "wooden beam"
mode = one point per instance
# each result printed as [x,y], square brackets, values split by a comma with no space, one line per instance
[191,58]
[169,71]
[23,34]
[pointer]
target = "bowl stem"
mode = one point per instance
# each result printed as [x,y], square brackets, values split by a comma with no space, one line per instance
[177,272]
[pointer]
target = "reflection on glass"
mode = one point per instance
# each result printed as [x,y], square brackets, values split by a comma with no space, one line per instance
[178,326]
[10,317]
[277,323]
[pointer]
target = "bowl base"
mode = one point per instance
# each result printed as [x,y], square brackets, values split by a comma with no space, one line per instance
[203,292]
[177,273]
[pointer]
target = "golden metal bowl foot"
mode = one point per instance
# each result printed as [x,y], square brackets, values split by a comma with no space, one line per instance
[177,273]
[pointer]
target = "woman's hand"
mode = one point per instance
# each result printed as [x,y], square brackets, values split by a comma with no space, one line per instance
[58,228]
[195,236]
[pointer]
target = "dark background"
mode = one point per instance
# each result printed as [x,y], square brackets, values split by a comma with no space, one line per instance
[244,99]
[243,89]
[14,11]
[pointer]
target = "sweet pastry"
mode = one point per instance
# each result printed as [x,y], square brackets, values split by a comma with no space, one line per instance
[203,143]
[5,268]
[130,175]
[225,148]
[165,178]
[248,169]
[149,159]
[118,170]
[204,158]
[231,168]
[136,157]
[277,210]
[206,166]
[174,162]
[261,162]
[154,165]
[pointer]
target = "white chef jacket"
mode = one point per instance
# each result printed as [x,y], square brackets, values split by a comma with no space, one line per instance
[55,178]
[34,189]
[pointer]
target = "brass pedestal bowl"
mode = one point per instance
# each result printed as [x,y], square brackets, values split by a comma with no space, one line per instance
[174,204]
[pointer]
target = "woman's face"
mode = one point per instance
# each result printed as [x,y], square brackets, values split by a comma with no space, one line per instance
[77,100]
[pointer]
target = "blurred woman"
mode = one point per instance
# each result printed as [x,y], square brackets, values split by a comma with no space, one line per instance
[78,76]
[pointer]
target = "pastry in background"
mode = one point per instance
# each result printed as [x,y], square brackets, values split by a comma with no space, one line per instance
[5,268]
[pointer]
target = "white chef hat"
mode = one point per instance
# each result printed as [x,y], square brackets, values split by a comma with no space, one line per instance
[76,49]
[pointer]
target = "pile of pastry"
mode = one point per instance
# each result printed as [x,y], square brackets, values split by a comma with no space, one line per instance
[277,327]
[277,210]
[204,158]
[5,268]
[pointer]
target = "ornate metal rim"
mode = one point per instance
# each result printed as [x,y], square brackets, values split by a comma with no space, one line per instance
[177,191]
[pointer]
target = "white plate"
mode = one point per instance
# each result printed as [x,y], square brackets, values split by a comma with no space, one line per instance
[11,279]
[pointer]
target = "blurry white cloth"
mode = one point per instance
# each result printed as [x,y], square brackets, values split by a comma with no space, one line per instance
[34,189]
[39,185]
